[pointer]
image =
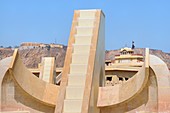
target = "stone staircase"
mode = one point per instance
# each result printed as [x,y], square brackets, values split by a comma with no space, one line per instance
[47,70]
[78,67]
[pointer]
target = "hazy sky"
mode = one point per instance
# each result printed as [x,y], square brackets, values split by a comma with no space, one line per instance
[147,22]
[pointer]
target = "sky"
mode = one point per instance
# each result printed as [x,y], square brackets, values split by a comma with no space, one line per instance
[146,22]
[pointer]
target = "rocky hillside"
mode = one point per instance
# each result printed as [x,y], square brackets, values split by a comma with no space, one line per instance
[31,57]
[5,53]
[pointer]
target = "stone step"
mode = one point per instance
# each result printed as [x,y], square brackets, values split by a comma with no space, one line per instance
[71,112]
[84,30]
[76,80]
[72,105]
[74,92]
[83,39]
[81,49]
[80,58]
[86,22]
[88,14]
[78,68]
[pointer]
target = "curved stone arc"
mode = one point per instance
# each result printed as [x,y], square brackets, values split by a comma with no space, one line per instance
[35,87]
[162,74]
[126,91]
[4,66]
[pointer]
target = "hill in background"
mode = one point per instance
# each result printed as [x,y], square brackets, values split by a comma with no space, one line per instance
[32,56]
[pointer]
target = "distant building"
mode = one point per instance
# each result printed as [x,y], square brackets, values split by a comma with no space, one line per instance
[126,62]
[56,45]
[127,55]
[31,45]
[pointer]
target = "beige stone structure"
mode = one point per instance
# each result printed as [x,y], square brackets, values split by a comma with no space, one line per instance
[30,45]
[78,91]
[133,84]
[47,68]
[56,45]
[23,91]
[125,66]
[127,55]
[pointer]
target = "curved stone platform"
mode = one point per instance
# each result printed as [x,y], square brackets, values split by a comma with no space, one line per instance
[109,96]
[23,91]
[151,97]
